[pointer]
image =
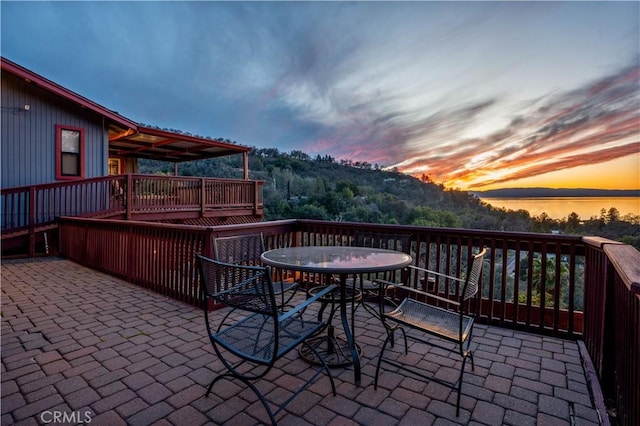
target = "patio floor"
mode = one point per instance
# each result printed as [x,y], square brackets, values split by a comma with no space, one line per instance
[92,348]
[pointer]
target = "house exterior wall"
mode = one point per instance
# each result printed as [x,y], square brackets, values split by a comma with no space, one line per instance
[28,138]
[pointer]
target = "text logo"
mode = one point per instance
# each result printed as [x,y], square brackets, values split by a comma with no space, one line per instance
[74,417]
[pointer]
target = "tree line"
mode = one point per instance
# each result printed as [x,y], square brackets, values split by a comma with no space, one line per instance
[297,185]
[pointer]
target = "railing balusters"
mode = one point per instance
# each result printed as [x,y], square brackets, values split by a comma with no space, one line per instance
[557,288]
[491,283]
[543,286]
[26,209]
[504,280]
[516,285]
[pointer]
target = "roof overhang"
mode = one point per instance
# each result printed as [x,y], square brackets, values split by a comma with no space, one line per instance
[156,144]
[129,139]
[38,80]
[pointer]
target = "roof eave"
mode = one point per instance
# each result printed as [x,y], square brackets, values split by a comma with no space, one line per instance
[56,89]
[196,139]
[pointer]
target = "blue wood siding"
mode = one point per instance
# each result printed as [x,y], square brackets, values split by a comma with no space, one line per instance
[28,138]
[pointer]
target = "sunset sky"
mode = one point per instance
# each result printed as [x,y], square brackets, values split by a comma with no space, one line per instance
[477,95]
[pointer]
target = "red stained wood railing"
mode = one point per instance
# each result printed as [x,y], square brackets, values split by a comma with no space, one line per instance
[28,209]
[612,323]
[159,197]
[157,256]
[530,260]
[40,204]
[549,270]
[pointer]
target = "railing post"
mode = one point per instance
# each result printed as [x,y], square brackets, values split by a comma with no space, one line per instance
[207,249]
[202,196]
[255,197]
[245,165]
[130,259]
[129,199]
[32,221]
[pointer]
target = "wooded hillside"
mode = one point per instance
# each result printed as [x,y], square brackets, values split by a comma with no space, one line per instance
[298,186]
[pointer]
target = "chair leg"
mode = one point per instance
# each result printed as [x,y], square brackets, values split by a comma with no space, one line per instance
[406,346]
[219,377]
[251,386]
[211,385]
[325,366]
[384,346]
[282,304]
[460,379]
[262,399]
[391,333]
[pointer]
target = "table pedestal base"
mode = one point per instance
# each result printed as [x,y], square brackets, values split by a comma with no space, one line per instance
[335,351]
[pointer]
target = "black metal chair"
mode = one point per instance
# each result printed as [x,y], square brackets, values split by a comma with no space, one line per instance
[374,286]
[418,319]
[246,250]
[255,333]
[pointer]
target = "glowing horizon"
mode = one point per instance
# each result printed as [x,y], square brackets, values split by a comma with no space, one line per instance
[622,174]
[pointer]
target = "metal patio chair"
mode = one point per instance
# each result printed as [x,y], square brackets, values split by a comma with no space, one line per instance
[367,287]
[418,320]
[246,250]
[255,333]
[374,286]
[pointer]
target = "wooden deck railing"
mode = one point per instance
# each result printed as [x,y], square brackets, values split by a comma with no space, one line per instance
[184,197]
[27,209]
[156,256]
[612,316]
[565,286]
[528,259]
[40,204]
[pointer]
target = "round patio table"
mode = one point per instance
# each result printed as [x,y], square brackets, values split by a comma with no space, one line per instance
[342,261]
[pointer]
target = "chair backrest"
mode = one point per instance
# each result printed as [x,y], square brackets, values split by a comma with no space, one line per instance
[239,250]
[397,242]
[388,241]
[242,287]
[474,272]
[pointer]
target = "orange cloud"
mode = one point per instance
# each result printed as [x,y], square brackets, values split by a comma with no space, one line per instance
[593,124]
[590,126]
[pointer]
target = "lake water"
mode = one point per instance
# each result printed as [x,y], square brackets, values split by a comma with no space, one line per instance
[561,207]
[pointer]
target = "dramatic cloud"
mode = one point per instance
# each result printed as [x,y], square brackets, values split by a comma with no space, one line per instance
[468,93]
[592,125]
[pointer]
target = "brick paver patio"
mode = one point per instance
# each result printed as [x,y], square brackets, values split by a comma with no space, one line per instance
[86,346]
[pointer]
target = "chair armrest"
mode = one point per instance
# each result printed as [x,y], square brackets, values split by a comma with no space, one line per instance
[303,305]
[384,282]
[424,293]
[428,271]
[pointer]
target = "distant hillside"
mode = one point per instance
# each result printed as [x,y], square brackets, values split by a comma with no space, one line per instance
[550,192]
[297,185]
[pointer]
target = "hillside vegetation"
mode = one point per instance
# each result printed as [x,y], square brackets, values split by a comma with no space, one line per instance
[299,186]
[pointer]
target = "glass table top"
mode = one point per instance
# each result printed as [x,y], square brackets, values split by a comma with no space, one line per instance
[336,259]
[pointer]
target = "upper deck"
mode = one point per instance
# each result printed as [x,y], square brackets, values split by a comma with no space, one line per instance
[29,211]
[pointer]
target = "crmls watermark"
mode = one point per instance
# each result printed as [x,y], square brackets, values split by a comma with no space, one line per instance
[73,417]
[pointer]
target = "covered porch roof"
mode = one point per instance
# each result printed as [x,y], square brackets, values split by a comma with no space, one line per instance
[157,144]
